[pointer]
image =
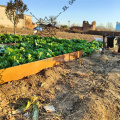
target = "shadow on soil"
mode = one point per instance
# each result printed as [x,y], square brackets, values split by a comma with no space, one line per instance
[80,89]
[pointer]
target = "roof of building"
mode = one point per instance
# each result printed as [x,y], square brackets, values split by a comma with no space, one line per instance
[28,15]
[2,5]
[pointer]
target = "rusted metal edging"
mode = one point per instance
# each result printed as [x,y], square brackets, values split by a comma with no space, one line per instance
[20,71]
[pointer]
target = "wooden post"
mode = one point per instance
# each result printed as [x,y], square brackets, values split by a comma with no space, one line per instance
[103,50]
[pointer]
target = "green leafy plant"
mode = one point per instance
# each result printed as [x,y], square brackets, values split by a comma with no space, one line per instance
[32,48]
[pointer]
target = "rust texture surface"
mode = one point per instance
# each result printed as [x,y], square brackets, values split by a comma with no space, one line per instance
[20,71]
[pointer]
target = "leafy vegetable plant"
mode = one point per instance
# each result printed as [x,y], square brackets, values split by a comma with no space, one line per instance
[32,48]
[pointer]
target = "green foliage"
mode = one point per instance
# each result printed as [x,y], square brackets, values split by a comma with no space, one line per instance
[64,26]
[14,10]
[32,48]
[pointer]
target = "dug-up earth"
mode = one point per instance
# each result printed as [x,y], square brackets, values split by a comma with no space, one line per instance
[84,89]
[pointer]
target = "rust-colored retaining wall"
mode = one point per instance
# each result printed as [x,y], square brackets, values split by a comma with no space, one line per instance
[20,71]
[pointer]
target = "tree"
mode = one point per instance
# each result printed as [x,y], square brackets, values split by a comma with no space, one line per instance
[101,27]
[64,26]
[73,25]
[109,26]
[14,11]
[53,20]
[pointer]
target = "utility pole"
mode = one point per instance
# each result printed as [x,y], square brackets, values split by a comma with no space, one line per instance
[69,23]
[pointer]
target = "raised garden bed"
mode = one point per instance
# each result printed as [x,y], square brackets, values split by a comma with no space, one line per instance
[20,71]
[35,50]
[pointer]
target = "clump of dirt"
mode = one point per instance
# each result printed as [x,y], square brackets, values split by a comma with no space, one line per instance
[84,89]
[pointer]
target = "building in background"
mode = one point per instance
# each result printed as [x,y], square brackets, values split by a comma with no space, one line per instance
[86,26]
[28,21]
[25,21]
[117,26]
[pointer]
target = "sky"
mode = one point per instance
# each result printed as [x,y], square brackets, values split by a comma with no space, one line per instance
[101,11]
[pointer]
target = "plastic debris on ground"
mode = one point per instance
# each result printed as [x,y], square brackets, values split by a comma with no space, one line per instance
[49,108]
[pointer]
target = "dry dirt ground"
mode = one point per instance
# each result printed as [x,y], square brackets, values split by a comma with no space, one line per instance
[84,89]
[69,36]
[18,31]
[60,35]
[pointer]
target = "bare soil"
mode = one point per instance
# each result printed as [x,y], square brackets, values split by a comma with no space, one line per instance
[69,36]
[84,89]
[18,31]
[59,34]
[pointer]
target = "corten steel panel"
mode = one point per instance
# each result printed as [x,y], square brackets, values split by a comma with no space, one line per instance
[20,71]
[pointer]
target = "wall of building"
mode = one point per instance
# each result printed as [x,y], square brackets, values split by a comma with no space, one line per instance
[3,18]
[94,25]
[28,22]
[87,26]
[117,26]
[21,23]
[28,17]
[4,21]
